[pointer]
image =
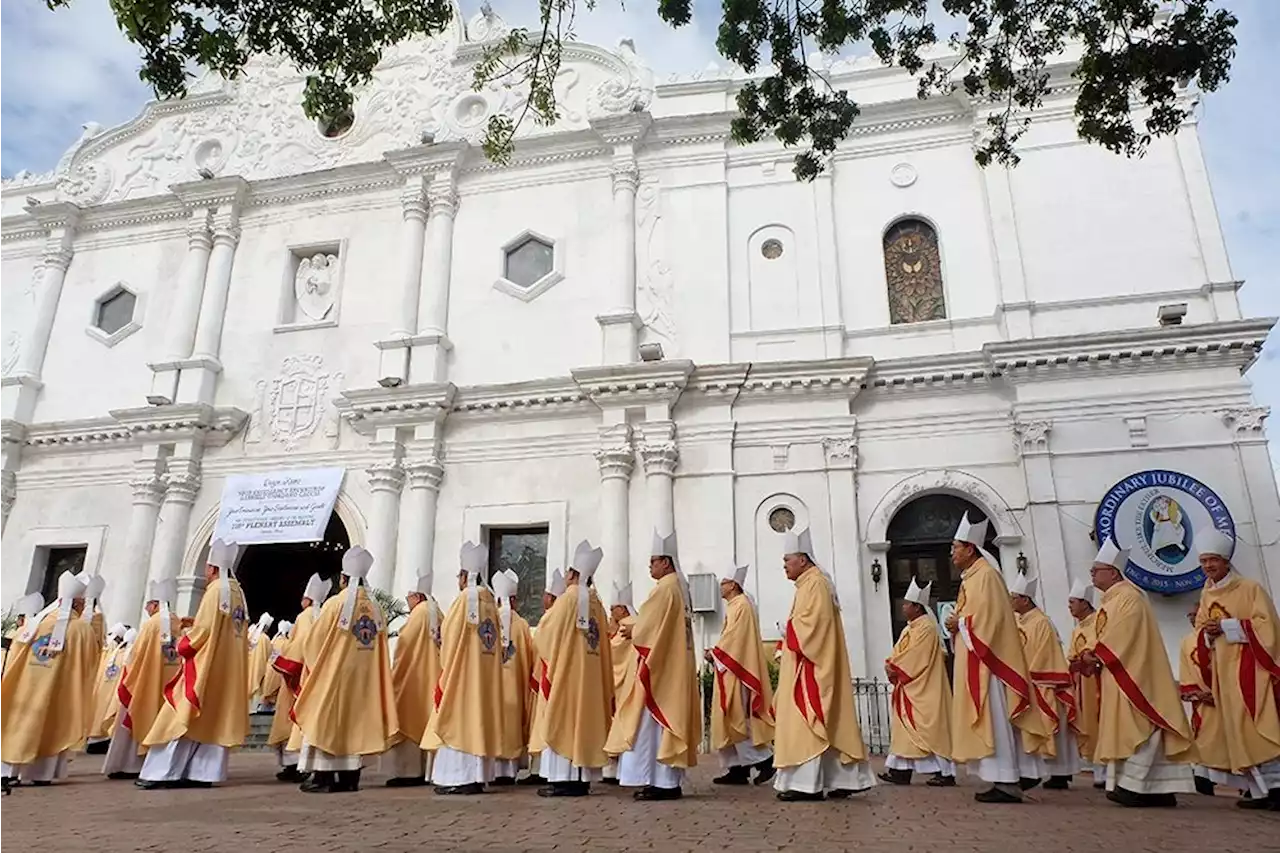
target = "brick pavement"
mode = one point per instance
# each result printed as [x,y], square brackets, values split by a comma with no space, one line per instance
[252,812]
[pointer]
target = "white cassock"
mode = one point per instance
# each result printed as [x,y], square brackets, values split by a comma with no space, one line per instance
[186,759]
[1147,771]
[45,769]
[555,767]
[744,752]
[122,755]
[451,768]
[639,766]
[1067,761]
[406,760]
[312,760]
[1011,762]
[824,774]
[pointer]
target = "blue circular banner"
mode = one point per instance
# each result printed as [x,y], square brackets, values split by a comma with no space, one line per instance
[1156,514]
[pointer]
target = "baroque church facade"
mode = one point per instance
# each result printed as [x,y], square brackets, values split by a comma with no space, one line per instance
[633,324]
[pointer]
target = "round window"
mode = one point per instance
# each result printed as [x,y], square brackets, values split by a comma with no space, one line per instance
[771,249]
[336,126]
[782,519]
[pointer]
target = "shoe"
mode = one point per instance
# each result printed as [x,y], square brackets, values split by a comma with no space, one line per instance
[765,771]
[41,784]
[191,783]
[995,795]
[502,782]
[348,781]
[153,784]
[564,789]
[798,797]
[1259,804]
[940,781]
[1126,798]
[612,781]
[1204,786]
[739,775]
[1162,801]
[1099,785]
[1058,783]
[320,782]
[460,790]
[406,782]
[652,793]
[532,779]
[1026,783]
[896,777]
[845,793]
[120,774]
[98,747]
[289,773]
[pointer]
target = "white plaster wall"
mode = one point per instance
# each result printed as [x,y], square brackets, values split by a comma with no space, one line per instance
[18,268]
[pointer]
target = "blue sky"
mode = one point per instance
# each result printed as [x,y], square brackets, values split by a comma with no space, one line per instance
[60,69]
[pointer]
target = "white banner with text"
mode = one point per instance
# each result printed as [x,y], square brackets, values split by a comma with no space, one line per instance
[281,506]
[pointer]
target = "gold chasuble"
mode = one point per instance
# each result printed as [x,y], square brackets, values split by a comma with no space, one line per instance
[105,702]
[293,672]
[1139,694]
[415,672]
[517,692]
[45,695]
[576,682]
[741,655]
[468,694]
[1246,676]
[271,681]
[259,663]
[987,618]
[1086,685]
[1195,684]
[921,692]
[207,701]
[348,705]
[815,707]
[153,663]
[666,679]
[1050,678]
[625,661]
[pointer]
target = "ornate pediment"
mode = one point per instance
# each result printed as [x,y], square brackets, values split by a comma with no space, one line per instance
[254,126]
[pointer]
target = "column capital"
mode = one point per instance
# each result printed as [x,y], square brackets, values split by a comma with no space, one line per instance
[1247,423]
[657,447]
[386,476]
[616,455]
[182,485]
[8,490]
[147,490]
[1031,438]
[442,196]
[840,451]
[413,199]
[425,473]
[625,174]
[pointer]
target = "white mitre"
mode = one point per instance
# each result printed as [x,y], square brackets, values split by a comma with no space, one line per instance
[586,559]
[919,594]
[974,534]
[1024,585]
[557,585]
[798,542]
[317,589]
[356,563]
[1111,554]
[738,575]
[1082,590]
[622,598]
[1215,543]
[224,556]
[474,559]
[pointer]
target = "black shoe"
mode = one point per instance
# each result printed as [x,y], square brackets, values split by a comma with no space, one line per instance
[651,793]
[1259,804]
[1204,786]
[1162,801]
[41,784]
[739,775]
[348,781]
[120,774]
[896,777]
[1126,798]
[98,747]
[1026,783]
[532,779]
[6,785]
[1058,783]
[798,797]
[995,795]
[289,773]
[607,781]
[845,793]
[321,782]
[406,782]
[469,789]
[153,784]
[765,771]
[940,781]
[502,782]
[191,783]
[565,789]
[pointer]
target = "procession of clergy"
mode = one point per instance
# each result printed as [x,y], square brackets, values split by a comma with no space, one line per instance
[473,696]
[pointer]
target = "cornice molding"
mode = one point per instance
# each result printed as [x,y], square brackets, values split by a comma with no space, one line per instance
[212,427]
[369,409]
[637,384]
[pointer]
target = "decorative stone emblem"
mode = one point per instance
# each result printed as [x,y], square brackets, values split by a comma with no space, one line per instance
[298,398]
[903,175]
[315,283]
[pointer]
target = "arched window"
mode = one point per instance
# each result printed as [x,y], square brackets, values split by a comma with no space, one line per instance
[913,269]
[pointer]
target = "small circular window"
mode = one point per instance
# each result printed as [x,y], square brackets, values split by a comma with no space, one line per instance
[771,249]
[336,126]
[782,519]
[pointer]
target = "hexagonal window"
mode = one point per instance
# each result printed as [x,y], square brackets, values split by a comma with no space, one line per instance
[531,263]
[115,311]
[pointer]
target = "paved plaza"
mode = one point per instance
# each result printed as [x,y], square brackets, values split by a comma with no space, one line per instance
[252,812]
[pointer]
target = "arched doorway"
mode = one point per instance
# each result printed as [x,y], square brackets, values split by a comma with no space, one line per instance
[920,535]
[274,576]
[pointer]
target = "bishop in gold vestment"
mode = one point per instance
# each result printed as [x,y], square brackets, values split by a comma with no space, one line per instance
[818,746]
[465,730]
[554,590]
[102,714]
[575,684]
[920,739]
[1195,686]
[658,726]
[27,608]
[995,722]
[347,708]
[1085,684]
[285,736]
[1051,681]
[414,674]
[259,658]
[206,711]
[94,585]
[517,669]
[742,702]
[623,653]
[151,662]
[1237,624]
[45,691]
[1143,735]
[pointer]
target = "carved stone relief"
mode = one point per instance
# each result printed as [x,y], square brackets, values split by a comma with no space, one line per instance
[315,285]
[655,281]
[294,404]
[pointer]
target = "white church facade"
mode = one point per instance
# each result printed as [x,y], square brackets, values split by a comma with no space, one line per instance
[221,287]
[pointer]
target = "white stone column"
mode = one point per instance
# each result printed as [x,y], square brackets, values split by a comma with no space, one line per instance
[1050,563]
[385,481]
[181,484]
[1247,426]
[431,344]
[616,457]
[620,324]
[181,321]
[660,456]
[413,234]
[418,518]
[841,455]
[213,306]
[11,441]
[126,590]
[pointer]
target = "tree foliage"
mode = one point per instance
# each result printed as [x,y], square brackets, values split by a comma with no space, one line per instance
[1134,57]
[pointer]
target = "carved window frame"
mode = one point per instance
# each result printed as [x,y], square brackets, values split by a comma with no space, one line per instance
[33,549]
[947,304]
[542,285]
[294,256]
[477,520]
[110,339]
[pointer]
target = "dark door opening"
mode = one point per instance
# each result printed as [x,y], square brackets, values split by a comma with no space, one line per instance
[523,549]
[67,558]
[274,576]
